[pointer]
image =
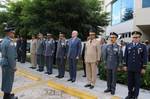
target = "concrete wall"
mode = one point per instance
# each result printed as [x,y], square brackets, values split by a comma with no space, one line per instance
[142,16]
[120,28]
[106,2]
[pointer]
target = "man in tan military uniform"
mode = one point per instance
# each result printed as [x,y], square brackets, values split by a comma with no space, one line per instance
[33,52]
[92,57]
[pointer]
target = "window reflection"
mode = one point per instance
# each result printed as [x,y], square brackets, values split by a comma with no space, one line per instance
[146,3]
[122,10]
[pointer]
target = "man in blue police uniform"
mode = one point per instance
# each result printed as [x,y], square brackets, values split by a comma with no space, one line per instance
[113,59]
[49,53]
[8,63]
[61,55]
[135,64]
[74,51]
[40,52]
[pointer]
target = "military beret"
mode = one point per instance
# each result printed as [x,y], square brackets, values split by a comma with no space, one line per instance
[11,29]
[113,33]
[136,32]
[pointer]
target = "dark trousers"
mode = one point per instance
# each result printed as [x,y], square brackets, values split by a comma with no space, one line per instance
[111,79]
[7,96]
[72,68]
[134,83]
[19,55]
[148,58]
[61,66]
[84,67]
[7,79]
[49,63]
[40,62]
[23,56]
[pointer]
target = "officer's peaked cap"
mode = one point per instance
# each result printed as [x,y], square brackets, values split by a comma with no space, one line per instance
[136,32]
[113,33]
[10,29]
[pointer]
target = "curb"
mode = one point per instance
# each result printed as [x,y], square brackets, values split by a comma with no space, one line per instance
[72,91]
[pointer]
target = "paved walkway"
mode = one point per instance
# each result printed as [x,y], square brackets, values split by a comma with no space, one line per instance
[37,88]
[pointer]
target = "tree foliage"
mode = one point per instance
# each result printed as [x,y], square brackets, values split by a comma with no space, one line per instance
[33,16]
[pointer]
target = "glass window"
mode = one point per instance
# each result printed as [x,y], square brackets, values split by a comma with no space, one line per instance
[116,10]
[129,34]
[122,36]
[122,10]
[146,3]
[126,35]
[127,10]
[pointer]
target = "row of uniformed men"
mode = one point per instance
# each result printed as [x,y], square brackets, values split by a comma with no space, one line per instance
[43,53]
[111,55]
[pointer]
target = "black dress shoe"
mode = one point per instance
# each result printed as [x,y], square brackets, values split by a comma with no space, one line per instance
[87,85]
[107,90]
[57,76]
[112,92]
[33,67]
[73,81]
[12,96]
[69,80]
[91,87]
[129,97]
[46,73]
[49,73]
[41,70]
[61,77]
[84,76]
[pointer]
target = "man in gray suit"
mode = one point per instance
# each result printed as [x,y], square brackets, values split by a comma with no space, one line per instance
[61,55]
[113,59]
[49,53]
[8,63]
[74,51]
[40,52]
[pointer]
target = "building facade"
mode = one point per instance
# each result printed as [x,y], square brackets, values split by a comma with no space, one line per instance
[127,16]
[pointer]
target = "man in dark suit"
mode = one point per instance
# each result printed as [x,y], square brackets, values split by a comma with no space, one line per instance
[23,49]
[135,64]
[18,48]
[74,51]
[61,55]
